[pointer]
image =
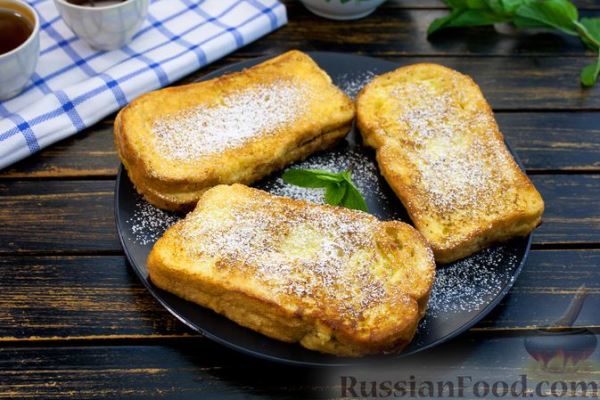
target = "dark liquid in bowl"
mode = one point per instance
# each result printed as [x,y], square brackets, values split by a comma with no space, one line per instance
[15,29]
[95,3]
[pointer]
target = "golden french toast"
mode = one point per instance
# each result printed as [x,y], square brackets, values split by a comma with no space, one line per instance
[440,149]
[335,280]
[177,142]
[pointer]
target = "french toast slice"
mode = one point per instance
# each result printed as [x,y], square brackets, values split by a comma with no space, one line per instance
[177,142]
[440,149]
[335,280]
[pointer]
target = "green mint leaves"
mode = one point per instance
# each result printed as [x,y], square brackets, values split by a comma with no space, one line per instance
[557,14]
[339,188]
[561,15]
[590,35]
[589,75]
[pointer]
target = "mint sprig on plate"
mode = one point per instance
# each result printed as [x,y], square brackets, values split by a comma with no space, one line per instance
[560,15]
[339,188]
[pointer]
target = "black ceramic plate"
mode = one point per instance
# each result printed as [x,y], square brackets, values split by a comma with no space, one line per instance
[464,291]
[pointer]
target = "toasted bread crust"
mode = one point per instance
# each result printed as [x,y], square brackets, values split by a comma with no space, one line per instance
[440,149]
[176,184]
[266,298]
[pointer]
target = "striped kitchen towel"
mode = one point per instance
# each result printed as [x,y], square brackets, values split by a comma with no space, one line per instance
[74,85]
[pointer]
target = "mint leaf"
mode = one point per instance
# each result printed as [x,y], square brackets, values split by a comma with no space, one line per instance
[473,4]
[558,14]
[593,26]
[463,18]
[339,188]
[590,32]
[310,178]
[441,23]
[476,18]
[334,193]
[353,199]
[346,175]
[497,6]
[589,75]
[325,175]
[302,178]
[507,7]
[470,13]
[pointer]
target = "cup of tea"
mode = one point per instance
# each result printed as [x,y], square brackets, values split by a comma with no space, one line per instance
[103,24]
[19,46]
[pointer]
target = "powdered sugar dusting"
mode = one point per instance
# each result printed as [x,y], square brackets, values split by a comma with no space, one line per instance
[365,175]
[471,283]
[464,286]
[319,254]
[467,179]
[281,188]
[456,168]
[351,84]
[148,223]
[259,110]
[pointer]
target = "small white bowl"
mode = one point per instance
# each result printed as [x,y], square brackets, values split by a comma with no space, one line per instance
[17,66]
[105,27]
[342,9]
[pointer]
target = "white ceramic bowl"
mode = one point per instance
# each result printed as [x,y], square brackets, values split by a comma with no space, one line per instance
[342,9]
[104,28]
[17,66]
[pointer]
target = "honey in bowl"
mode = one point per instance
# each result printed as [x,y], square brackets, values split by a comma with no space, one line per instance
[15,29]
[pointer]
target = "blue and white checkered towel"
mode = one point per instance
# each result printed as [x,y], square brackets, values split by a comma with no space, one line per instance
[74,86]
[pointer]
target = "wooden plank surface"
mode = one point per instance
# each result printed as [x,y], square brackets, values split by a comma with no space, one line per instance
[76,323]
[72,216]
[543,141]
[406,29]
[77,216]
[195,369]
[546,286]
[77,297]
[509,83]
[572,214]
[89,154]
[554,141]
[99,297]
[524,84]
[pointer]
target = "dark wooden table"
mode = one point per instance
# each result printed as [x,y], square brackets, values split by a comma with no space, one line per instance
[76,323]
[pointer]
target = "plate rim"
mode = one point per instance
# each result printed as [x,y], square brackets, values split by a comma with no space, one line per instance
[344,361]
